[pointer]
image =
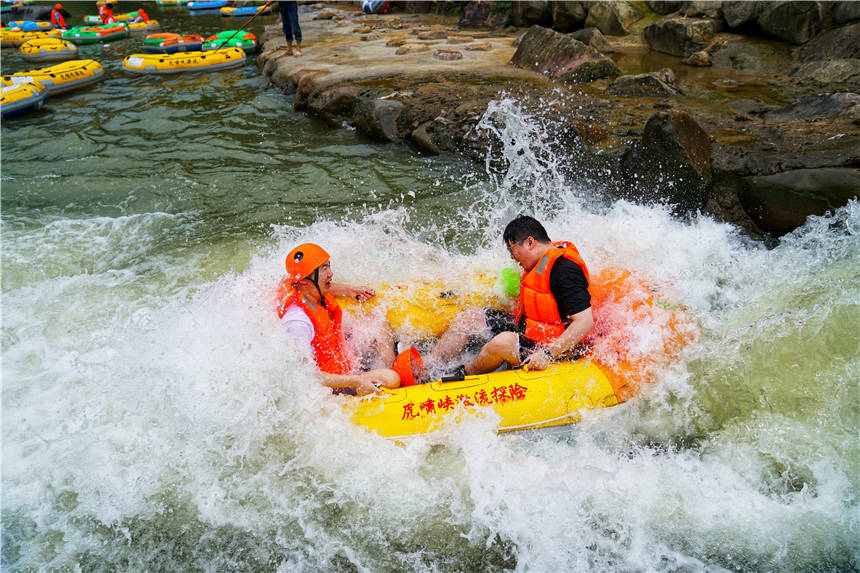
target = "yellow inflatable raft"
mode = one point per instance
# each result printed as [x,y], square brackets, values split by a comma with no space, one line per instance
[522,399]
[60,78]
[21,98]
[13,38]
[147,26]
[638,331]
[47,50]
[423,310]
[184,62]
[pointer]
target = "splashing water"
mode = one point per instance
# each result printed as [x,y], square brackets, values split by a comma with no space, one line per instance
[155,415]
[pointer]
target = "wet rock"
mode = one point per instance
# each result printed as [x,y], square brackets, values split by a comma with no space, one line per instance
[745,55]
[651,84]
[378,119]
[28,12]
[737,13]
[794,22]
[327,14]
[334,105]
[422,138]
[846,12]
[460,39]
[480,47]
[395,43]
[612,18]
[411,49]
[750,106]
[592,37]
[474,15]
[664,6]
[532,13]
[679,36]
[433,35]
[836,44]
[702,9]
[567,16]
[830,72]
[362,30]
[561,57]
[818,106]
[672,162]
[700,59]
[781,202]
[447,55]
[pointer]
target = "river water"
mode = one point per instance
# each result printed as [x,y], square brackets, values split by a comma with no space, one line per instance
[155,417]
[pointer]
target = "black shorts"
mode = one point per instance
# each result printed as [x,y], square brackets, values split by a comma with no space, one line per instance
[499,321]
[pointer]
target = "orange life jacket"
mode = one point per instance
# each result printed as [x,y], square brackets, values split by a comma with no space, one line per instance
[328,342]
[543,323]
[107,16]
[57,19]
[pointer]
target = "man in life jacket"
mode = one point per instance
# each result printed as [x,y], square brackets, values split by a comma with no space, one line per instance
[308,310]
[106,12]
[141,16]
[58,17]
[553,312]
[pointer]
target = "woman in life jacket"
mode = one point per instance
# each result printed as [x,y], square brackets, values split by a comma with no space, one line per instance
[309,311]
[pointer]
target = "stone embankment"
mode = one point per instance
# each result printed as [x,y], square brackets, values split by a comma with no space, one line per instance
[748,111]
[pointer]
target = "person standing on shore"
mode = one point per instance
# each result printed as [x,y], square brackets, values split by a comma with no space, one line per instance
[290,23]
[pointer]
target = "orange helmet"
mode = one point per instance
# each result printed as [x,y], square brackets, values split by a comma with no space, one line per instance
[58,7]
[304,260]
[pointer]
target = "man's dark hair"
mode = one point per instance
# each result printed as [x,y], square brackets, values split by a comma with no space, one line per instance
[522,228]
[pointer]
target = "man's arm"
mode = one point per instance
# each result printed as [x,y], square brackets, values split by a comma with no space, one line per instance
[579,327]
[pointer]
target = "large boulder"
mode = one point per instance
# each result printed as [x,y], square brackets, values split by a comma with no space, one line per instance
[28,12]
[532,13]
[736,13]
[679,36]
[567,16]
[793,22]
[672,162]
[845,71]
[378,119]
[702,8]
[841,104]
[482,14]
[592,37]
[664,6]
[651,84]
[561,57]
[759,56]
[837,44]
[333,105]
[612,18]
[781,202]
[846,12]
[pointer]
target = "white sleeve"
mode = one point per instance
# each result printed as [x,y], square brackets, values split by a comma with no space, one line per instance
[300,327]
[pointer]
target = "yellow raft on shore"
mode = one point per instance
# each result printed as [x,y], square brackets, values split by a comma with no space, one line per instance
[184,62]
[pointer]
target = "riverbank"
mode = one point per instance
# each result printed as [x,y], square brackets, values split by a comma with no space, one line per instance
[741,135]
